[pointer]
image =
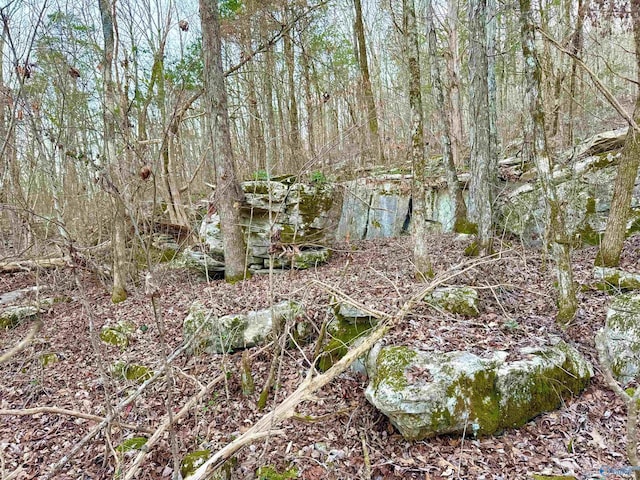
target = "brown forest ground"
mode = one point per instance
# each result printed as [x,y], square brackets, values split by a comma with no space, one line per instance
[518,306]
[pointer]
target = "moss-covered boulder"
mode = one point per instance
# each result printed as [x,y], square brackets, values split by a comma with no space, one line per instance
[132,372]
[233,332]
[118,335]
[619,339]
[300,259]
[12,316]
[286,221]
[348,326]
[426,394]
[458,300]
[614,279]
[202,262]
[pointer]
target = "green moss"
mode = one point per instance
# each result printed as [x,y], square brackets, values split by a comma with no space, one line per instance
[48,359]
[465,226]
[591,205]
[268,472]
[473,250]
[134,373]
[192,461]
[391,364]
[135,443]
[588,236]
[12,316]
[338,346]
[118,295]
[233,279]
[112,336]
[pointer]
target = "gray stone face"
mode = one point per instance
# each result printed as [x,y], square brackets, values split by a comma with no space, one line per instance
[620,337]
[426,393]
[459,300]
[305,215]
[233,332]
[616,279]
[12,316]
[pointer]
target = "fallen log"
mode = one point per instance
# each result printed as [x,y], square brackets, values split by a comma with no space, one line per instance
[28,265]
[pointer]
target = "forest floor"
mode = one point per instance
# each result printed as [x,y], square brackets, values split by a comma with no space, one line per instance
[585,436]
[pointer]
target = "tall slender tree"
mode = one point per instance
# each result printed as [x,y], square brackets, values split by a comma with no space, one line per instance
[483,157]
[228,194]
[536,135]
[370,101]
[110,107]
[421,260]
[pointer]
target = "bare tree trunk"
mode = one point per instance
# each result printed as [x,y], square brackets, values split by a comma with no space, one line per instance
[535,129]
[258,153]
[228,194]
[370,101]
[483,158]
[454,115]
[615,232]
[295,147]
[461,224]
[421,260]
[576,49]
[110,106]
[272,136]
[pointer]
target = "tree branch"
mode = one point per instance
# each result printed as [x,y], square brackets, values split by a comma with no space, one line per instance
[596,81]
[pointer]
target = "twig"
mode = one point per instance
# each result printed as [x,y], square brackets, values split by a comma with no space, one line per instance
[70,413]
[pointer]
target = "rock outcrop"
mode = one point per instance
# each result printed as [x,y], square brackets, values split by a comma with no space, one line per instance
[619,339]
[233,332]
[286,225]
[427,393]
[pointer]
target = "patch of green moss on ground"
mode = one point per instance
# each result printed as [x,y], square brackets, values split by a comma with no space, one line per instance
[134,373]
[463,225]
[268,472]
[135,443]
[553,477]
[192,461]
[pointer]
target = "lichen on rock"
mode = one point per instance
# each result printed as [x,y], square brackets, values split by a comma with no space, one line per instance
[430,393]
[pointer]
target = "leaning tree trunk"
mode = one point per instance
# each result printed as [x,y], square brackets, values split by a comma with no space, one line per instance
[615,232]
[535,130]
[422,263]
[483,160]
[228,195]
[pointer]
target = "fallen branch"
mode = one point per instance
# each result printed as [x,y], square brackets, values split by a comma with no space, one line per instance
[304,392]
[70,413]
[24,343]
[28,265]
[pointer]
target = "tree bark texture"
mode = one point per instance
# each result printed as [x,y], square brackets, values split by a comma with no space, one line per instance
[228,195]
[449,160]
[422,263]
[535,130]
[616,229]
[370,101]
[483,158]
[110,105]
[454,113]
